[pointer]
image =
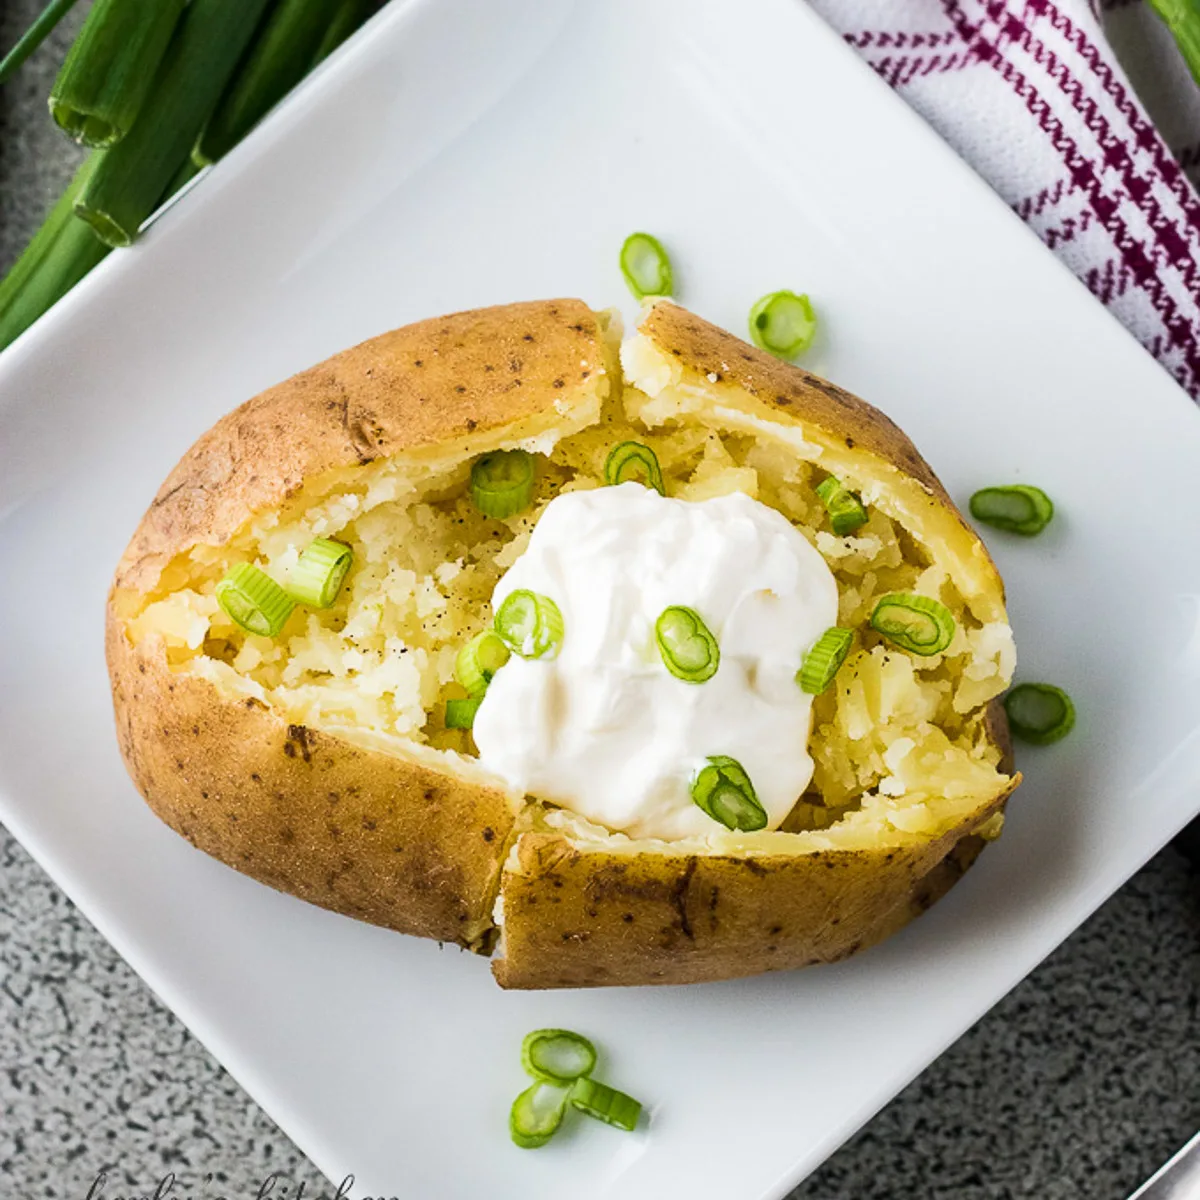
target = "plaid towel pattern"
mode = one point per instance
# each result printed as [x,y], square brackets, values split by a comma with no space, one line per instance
[1031,94]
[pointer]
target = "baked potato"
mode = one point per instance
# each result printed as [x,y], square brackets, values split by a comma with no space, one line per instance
[318,761]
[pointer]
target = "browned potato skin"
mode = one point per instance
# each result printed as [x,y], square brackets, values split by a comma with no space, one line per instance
[589,919]
[417,386]
[400,845]
[365,834]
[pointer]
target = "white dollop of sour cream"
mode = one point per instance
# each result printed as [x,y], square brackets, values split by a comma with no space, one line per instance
[604,729]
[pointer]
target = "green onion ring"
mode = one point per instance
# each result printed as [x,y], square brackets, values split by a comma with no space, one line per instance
[502,483]
[632,462]
[1018,508]
[724,791]
[536,1115]
[317,577]
[918,624]
[557,1055]
[254,600]
[1039,713]
[530,624]
[460,714]
[783,323]
[845,509]
[689,650]
[646,266]
[824,660]
[479,660]
[605,1104]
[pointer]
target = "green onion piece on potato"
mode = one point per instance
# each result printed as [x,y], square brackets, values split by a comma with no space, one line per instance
[319,572]
[689,650]
[530,624]
[724,791]
[824,660]
[919,624]
[502,483]
[254,600]
[460,714]
[479,660]
[633,462]
[845,509]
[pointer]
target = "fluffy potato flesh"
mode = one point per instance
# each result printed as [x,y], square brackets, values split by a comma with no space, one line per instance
[899,741]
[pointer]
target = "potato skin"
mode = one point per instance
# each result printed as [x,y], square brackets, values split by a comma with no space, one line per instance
[583,918]
[369,835]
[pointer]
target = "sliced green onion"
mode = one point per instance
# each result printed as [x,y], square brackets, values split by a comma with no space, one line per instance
[824,660]
[724,791]
[605,1104]
[646,266]
[783,323]
[460,714]
[530,624]
[131,177]
[536,1115]
[479,660]
[502,483]
[1019,508]
[34,36]
[1039,713]
[845,509]
[254,600]
[280,56]
[919,624]
[688,648]
[557,1055]
[111,67]
[632,462]
[317,577]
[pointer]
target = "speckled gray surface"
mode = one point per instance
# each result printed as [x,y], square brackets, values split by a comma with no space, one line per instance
[1078,1084]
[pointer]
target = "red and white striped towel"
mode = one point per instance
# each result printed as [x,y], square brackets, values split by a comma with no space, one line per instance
[1032,95]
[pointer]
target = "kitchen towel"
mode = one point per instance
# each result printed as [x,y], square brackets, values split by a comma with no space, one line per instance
[1032,95]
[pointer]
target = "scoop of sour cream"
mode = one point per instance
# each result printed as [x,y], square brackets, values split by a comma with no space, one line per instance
[604,728]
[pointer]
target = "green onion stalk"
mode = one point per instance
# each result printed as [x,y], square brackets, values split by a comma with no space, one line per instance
[280,56]
[34,36]
[60,254]
[349,16]
[111,68]
[1182,18]
[131,178]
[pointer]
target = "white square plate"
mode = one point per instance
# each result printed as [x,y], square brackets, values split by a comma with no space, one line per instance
[465,152]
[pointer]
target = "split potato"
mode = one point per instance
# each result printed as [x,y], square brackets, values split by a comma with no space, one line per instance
[319,761]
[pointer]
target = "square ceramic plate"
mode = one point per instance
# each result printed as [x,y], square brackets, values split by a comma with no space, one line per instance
[465,152]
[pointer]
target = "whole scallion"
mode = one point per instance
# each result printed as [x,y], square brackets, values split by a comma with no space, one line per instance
[131,177]
[111,68]
[60,254]
[349,16]
[34,36]
[280,56]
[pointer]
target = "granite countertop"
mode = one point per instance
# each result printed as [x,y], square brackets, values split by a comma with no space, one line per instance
[1078,1084]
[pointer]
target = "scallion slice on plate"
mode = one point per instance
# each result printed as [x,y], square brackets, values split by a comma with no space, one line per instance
[557,1055]
[1017,508]
[530,624]
[724,791]
[633,462]
[319,572]
[1039,713]
[689,650]
[605,1104]
[824,660]
[646,266]
[502,483]
[536,1114]
[254,600]
[845,509]
[783,324]
[919,624]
